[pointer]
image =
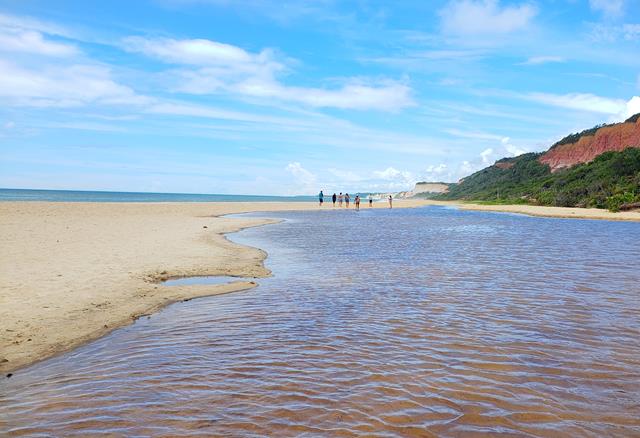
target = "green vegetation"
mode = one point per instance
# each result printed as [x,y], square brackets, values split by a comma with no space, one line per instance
[572,138]
[633,119]
[611,181]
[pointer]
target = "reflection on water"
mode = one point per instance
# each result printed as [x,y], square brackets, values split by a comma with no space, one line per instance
[205,279]
[426,322]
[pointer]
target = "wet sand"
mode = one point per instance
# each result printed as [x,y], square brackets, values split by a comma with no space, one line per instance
[72,272]
[559,212]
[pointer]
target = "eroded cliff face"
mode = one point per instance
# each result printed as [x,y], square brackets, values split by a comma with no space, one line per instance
[609,138]
[424,187]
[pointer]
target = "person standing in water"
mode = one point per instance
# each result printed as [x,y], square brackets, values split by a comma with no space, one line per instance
[321,198]
[333,198]
[390,202]
[370,201]
[346,199]
[340,198]
[357,201]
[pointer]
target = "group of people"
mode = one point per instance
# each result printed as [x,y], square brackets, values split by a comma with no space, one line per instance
[347,199]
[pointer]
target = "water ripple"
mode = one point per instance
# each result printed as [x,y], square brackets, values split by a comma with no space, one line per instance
[426,322]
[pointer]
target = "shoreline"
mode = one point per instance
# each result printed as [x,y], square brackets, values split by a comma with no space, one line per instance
[73,272]
[542,211]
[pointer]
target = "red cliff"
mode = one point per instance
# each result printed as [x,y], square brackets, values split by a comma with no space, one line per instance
[608,138]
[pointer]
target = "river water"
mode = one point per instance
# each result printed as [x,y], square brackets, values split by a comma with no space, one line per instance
[417,322]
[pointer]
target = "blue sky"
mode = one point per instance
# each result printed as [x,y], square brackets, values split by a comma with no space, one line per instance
[288,97]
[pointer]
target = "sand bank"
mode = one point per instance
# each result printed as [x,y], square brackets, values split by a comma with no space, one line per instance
[558,212]
[72,272]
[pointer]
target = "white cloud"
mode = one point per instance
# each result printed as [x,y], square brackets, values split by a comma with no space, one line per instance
[610,8]
[612,32]
[512,151]
[631,31]
[196,51]
[388,180]
[28,41]
[434,173]
[617,109]
[440,168]
[231,69]
[478,17]
[51,74]
[633,107]
[393,174]
[537,60]
[581,102]
[306,181]
[27,35]
[486,155]
[30,24]
[217,59]
[210,112]
[62,86]
[455,171]
[386,96]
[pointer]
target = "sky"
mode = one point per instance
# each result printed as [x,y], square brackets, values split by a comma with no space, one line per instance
[287,97]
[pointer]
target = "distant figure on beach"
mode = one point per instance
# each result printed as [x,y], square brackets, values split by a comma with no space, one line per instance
[370,201]
[357,202]
[346,199]
[390,202]
[321,197]
[333,198]
[340,198]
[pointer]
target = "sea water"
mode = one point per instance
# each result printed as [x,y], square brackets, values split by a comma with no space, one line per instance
[99,196]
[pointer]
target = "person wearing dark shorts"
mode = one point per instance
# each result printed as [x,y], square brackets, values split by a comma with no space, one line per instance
[333,198]
[321,197]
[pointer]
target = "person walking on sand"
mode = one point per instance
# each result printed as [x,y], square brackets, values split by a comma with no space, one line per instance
[340,198]
[370,201]
[346,199]
[321,198]
[390,202]
[357,202]
[333,198]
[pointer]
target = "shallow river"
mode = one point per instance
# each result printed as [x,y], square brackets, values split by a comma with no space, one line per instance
[423,322]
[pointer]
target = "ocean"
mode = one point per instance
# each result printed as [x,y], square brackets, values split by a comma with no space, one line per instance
[99,196]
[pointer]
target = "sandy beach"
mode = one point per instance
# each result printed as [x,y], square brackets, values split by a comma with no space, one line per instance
[557,212]
[72,272]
